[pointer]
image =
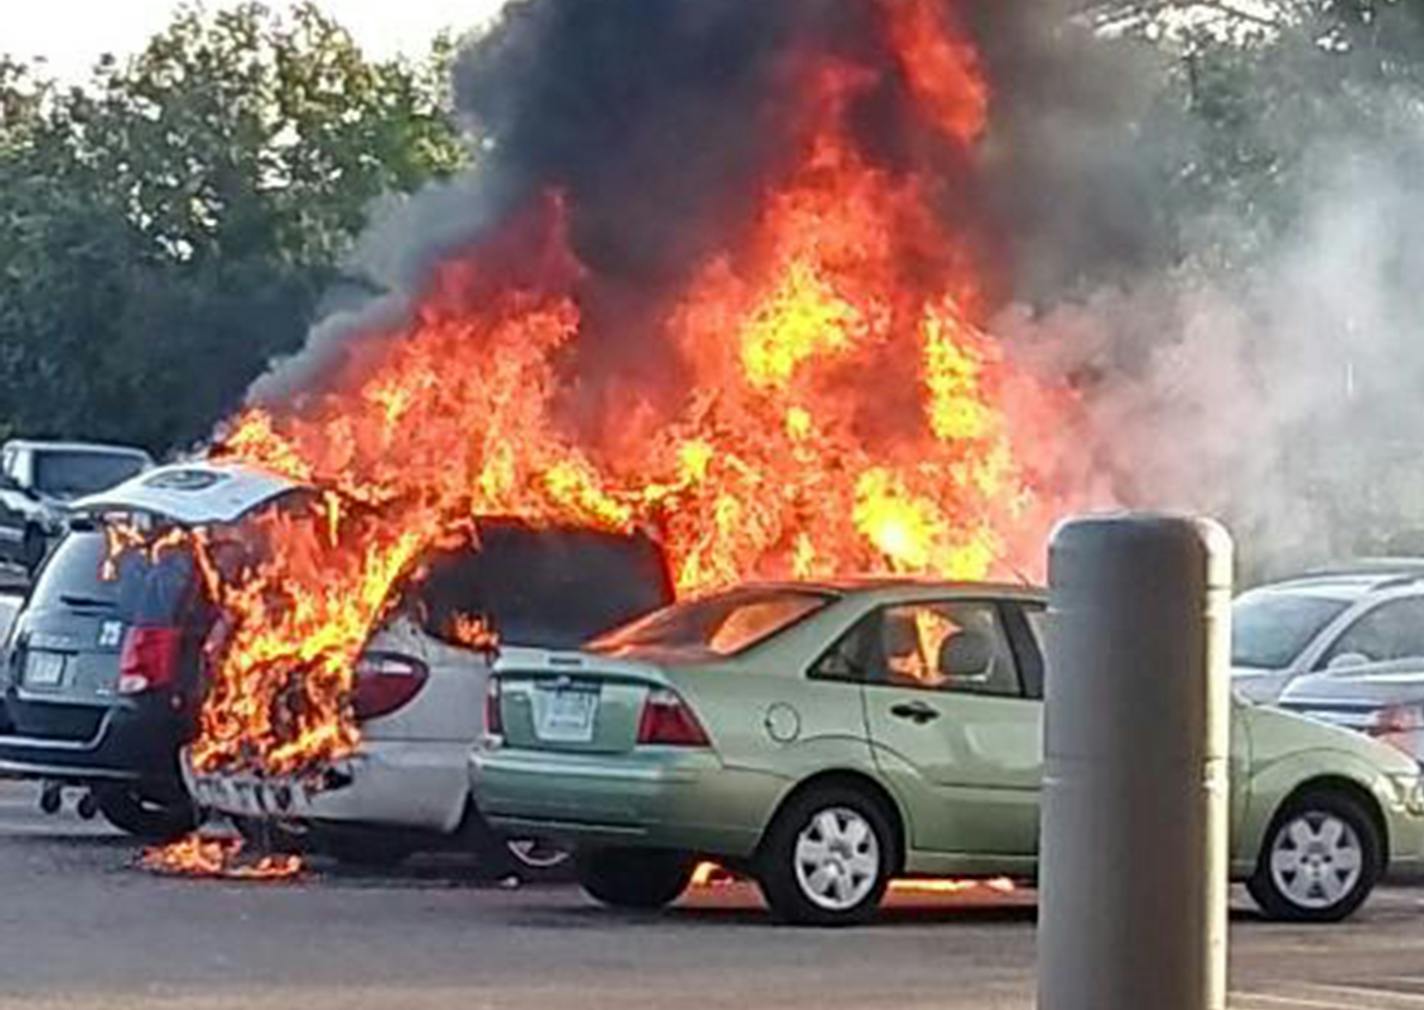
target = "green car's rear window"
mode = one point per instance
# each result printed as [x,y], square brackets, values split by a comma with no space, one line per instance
[723,624]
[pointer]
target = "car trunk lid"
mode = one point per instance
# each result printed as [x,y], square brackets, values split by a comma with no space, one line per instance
[578,702]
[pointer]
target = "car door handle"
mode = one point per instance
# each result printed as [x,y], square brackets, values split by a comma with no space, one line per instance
[917,712]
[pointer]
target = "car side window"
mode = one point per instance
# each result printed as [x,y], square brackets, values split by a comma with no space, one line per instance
[848,659]
[955,646]
[1391,631]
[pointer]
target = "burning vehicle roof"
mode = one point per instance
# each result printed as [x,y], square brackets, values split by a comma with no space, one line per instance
[192,493]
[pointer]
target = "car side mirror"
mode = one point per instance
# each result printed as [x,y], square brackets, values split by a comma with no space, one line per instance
[1346,660]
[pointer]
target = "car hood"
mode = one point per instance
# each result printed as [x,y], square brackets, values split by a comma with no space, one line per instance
[1376,685]
[193,493]
[1276,734]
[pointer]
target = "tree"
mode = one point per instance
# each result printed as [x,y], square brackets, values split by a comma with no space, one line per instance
[168,229]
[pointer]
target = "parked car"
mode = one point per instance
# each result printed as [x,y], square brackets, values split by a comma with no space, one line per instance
[39,479]
[101,684]
[827,737]
[420,695]
[1336,619]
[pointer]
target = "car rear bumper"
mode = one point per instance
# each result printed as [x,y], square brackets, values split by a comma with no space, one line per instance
[133,743]
[662,797]
[417,785]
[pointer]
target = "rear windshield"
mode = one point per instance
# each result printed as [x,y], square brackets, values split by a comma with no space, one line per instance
[142,591]
[723,624]
[70,474]
[1270,629]
[550,588]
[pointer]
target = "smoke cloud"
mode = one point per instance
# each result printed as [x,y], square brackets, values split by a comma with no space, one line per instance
[1268,383]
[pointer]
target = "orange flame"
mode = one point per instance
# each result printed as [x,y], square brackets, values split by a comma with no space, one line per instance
[840,411]
[196,856]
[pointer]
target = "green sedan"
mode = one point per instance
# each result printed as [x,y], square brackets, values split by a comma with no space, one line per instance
[826,738]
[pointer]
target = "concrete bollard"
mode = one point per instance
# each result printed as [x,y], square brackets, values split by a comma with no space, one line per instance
[1134,863]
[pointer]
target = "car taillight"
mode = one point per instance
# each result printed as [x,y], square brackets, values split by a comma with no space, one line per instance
[1397,725]
[149,659]
[494,717]
[385,682]
[668,721]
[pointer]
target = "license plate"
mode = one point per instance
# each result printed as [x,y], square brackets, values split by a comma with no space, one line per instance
[44,669]
[566,715]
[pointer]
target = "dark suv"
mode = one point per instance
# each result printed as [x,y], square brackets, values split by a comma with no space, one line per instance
[99,687]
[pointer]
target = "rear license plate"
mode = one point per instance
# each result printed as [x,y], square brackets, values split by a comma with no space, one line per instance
[44,669]
[566,715]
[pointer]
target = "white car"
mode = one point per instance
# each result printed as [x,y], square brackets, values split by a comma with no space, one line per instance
[1326,623]
[419,693]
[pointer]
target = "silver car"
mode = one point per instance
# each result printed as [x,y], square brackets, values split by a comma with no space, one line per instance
[1335,623]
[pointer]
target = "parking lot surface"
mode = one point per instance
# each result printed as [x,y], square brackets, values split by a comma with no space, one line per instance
[81,927]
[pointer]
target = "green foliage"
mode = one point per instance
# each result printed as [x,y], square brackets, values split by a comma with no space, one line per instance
[168,229]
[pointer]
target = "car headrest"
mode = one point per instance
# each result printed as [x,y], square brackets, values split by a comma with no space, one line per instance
[900,636]
[965,655]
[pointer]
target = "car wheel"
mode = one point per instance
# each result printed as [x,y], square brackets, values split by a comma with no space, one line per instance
[143,816]
[371,850]
[1321,859]
[827,858]
[634,878]
[32,552]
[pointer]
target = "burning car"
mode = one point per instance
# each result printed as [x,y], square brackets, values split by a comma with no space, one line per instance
[417,685]
[101,688]
[828,736]
[420,685]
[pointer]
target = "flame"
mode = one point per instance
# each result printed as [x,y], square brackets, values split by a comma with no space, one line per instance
[838,410]
[474,633]
[196,856]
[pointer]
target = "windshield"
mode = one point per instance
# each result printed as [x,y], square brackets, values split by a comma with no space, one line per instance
[724,624]
[1268,630]
[70,474]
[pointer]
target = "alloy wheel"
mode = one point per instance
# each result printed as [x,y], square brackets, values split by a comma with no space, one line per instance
[1316,860]
[837,859]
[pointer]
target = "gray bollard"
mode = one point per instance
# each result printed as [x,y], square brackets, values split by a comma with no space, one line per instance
[1134,864]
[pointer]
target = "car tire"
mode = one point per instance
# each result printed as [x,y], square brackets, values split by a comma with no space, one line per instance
[1321,858]
[642,879]
[373,850]
[33,550]
[827,858]
[140,815]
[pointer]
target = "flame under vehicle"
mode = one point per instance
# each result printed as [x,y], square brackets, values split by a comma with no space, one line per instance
[827,737]
[418,685]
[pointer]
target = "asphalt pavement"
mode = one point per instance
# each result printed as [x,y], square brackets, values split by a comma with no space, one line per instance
[82,927]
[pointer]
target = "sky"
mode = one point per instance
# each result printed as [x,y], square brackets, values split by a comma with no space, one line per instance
[72,34]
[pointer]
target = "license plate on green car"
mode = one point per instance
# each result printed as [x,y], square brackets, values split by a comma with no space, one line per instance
[565,715]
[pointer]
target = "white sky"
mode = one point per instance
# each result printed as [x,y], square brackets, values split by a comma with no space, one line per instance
[72,34]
